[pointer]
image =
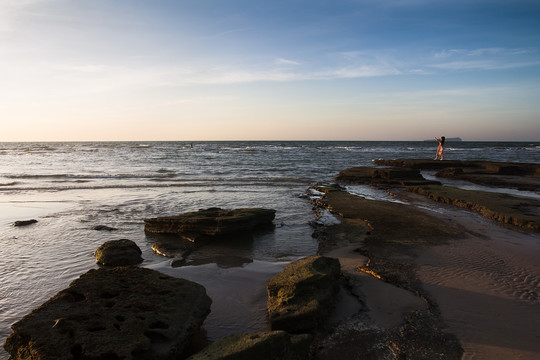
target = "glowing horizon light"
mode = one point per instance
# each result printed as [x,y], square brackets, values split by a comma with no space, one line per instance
[96,70]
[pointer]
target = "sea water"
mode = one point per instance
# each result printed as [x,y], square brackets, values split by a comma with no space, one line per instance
[71,187]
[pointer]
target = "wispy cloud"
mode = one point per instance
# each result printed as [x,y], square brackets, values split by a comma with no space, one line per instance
[236,75]
[282,61]
[483,65]
[494,58]
[80,68]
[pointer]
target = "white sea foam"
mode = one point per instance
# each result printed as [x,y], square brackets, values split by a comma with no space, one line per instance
[370,193]
[326,218]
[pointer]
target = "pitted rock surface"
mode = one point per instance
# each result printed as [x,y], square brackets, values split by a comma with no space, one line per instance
[113,313]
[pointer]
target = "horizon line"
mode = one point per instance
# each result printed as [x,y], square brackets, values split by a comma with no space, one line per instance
[251,140]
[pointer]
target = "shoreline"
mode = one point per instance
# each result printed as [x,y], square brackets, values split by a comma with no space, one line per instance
[390,295]
[475,277]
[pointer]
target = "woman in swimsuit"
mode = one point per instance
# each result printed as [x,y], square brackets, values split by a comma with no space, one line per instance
[440,149]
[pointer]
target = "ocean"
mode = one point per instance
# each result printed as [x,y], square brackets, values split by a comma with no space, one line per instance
[71,187]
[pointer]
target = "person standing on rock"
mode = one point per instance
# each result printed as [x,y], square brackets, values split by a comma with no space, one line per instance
[440,149]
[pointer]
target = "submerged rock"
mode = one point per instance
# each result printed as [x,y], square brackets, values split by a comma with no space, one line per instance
[103,228]
[24,222]
[261,346]
[118,253]
[210,222]
[117,313]
[303,294]
[170,248]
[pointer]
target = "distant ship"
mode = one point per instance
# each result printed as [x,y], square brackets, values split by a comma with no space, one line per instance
[448,139]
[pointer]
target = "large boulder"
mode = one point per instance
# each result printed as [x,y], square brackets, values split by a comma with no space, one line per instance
[302,295]
[118,253]
[261,346]
[113,313]
[210,222]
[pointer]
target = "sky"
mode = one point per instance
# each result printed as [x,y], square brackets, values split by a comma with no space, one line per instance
[187,70]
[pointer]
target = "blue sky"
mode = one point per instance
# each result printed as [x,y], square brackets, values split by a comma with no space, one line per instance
[269,70]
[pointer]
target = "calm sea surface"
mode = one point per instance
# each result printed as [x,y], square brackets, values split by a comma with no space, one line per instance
[72,187]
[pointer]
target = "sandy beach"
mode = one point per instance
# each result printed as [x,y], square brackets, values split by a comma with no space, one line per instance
[481,284]
[486,286]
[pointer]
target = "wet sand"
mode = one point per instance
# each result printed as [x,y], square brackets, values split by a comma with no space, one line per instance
[483,283]
[487,288]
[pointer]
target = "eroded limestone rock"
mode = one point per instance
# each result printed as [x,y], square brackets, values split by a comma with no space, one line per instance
[500,207]
[303,294]
[113,313]
[522,176]
[261,346]
[210,222]
[382,176]
[118,253]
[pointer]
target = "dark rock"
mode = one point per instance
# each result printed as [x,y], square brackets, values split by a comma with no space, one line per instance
[222,261]
[303,294]
[521,176]
[421,337]
[326,188]
[391,224]
[24,222]
[507,177]
[116,313]
[424,164]
[486,167]
[211,222]
[450,172]
[511,170]
[396,230]
[382,176]
[496,206]
[174,245]
[178,262]
[118,253]
[260,346]
[103,228]
[171,248]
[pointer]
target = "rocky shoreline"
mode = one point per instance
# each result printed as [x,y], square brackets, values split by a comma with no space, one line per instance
[364,267]
[381,239]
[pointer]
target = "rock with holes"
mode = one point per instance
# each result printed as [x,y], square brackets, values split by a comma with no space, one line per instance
[118,253]
[113,313]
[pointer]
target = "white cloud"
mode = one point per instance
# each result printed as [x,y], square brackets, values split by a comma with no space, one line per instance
[12,10]
[281,61]
[494,58]
[483,65]
[80,68]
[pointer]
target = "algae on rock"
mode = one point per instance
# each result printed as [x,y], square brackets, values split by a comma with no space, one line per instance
[113,313]
[303,294]
[261,346]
